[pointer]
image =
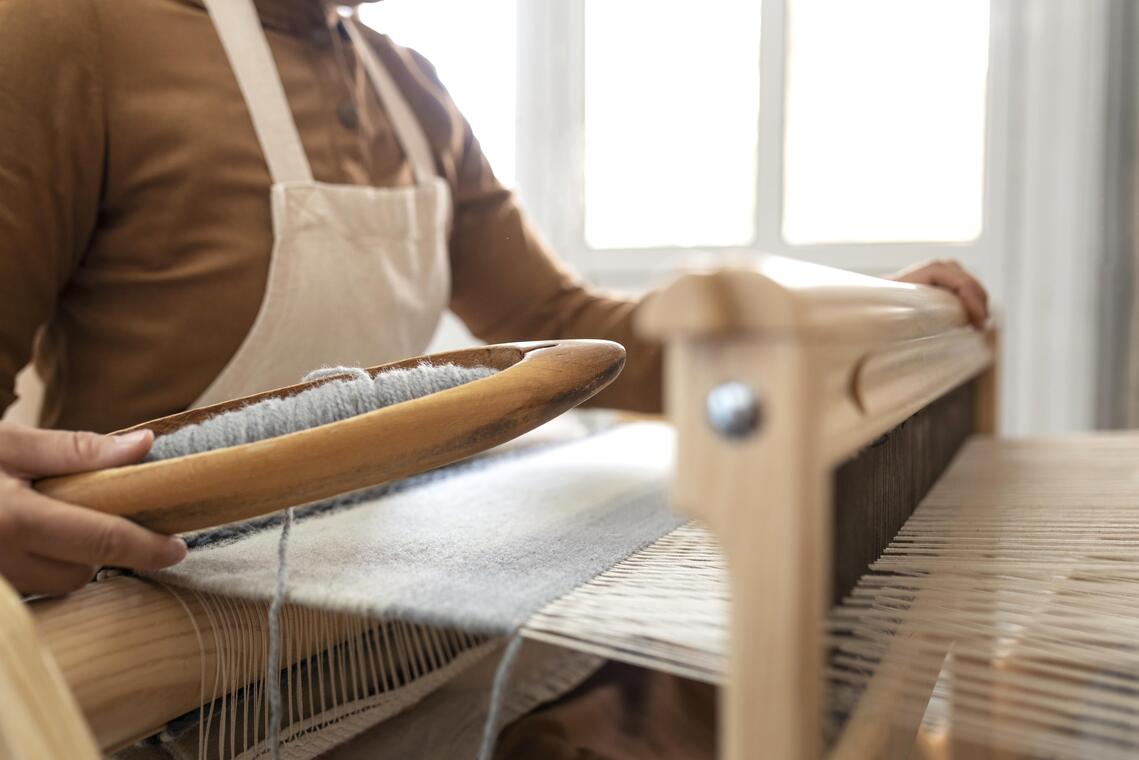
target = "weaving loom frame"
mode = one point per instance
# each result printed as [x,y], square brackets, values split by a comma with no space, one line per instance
[838,359]
[832,360]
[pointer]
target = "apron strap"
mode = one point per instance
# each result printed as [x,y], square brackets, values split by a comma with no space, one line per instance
[407,129]
[247,48]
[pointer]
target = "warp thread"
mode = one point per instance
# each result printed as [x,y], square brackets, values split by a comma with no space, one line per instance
[356,393]
[497,695]
[326,403]
[273,665]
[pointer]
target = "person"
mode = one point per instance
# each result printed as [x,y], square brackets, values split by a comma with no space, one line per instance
[200,199]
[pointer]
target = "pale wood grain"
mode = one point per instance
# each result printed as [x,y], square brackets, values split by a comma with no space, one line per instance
[132,654]
[988,387]
[39,717]
[781,296]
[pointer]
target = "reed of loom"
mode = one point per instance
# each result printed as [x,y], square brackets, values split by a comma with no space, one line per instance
[774,377]
[112,663]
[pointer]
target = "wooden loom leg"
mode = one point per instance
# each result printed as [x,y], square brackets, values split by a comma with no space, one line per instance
[988,388]
[39,718]
[764,496]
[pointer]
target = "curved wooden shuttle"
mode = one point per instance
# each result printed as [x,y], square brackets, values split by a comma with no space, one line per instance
[535,383]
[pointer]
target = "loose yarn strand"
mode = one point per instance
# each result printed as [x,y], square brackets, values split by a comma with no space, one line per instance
[497,696]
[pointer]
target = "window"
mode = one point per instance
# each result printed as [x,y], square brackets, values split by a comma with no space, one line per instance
[856,134]
[671,122]
[866,134]
[655,131]
[885,120]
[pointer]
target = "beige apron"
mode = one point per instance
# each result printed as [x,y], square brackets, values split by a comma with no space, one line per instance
[358,275]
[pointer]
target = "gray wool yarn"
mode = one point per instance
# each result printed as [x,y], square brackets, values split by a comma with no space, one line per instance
[329,402]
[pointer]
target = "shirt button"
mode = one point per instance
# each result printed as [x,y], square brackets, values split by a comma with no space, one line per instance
[347,114]
[320,38]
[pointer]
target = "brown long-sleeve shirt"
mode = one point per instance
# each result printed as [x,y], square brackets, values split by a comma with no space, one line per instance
[134,203]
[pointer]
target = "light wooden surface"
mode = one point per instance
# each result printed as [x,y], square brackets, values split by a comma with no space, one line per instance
[537,382]
[39,717]
[880,350]
[835,359]
[988,386]
[783,296]
[778,571]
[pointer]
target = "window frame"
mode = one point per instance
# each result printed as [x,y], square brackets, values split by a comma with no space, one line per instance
[551,151]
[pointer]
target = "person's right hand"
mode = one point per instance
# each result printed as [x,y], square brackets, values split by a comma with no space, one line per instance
[49,547]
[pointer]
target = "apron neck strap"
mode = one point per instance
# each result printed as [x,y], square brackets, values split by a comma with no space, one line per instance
[243,39]
[407,128]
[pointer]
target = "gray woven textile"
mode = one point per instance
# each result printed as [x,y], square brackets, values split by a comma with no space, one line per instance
[480,550]
[329,402]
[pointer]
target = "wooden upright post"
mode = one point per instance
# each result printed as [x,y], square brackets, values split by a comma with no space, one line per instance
[39,717]
[763,491]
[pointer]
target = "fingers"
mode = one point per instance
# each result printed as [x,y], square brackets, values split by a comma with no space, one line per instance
[36,575]
[952,276]
[48,547]
[58,531]
[27,452]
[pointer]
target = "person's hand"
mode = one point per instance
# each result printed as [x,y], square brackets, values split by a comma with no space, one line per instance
[951,276]
[49,547]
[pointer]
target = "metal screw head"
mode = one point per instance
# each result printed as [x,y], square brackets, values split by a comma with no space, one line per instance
[733,410]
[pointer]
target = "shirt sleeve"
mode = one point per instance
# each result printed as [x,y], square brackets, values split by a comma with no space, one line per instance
[507,284]
[51,157]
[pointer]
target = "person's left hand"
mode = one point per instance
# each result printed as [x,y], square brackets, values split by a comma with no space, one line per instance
[951,276]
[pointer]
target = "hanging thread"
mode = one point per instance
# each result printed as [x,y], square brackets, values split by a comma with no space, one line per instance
[497,695]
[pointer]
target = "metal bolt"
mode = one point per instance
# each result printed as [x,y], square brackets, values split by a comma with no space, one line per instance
[733,410]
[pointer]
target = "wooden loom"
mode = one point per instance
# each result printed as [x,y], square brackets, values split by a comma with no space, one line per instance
[777,379]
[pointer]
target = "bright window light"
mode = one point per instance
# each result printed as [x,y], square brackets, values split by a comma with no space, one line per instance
[885,120]
[671,119]
[473,46]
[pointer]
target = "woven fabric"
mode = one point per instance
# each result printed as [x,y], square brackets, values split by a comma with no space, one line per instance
[481,550]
